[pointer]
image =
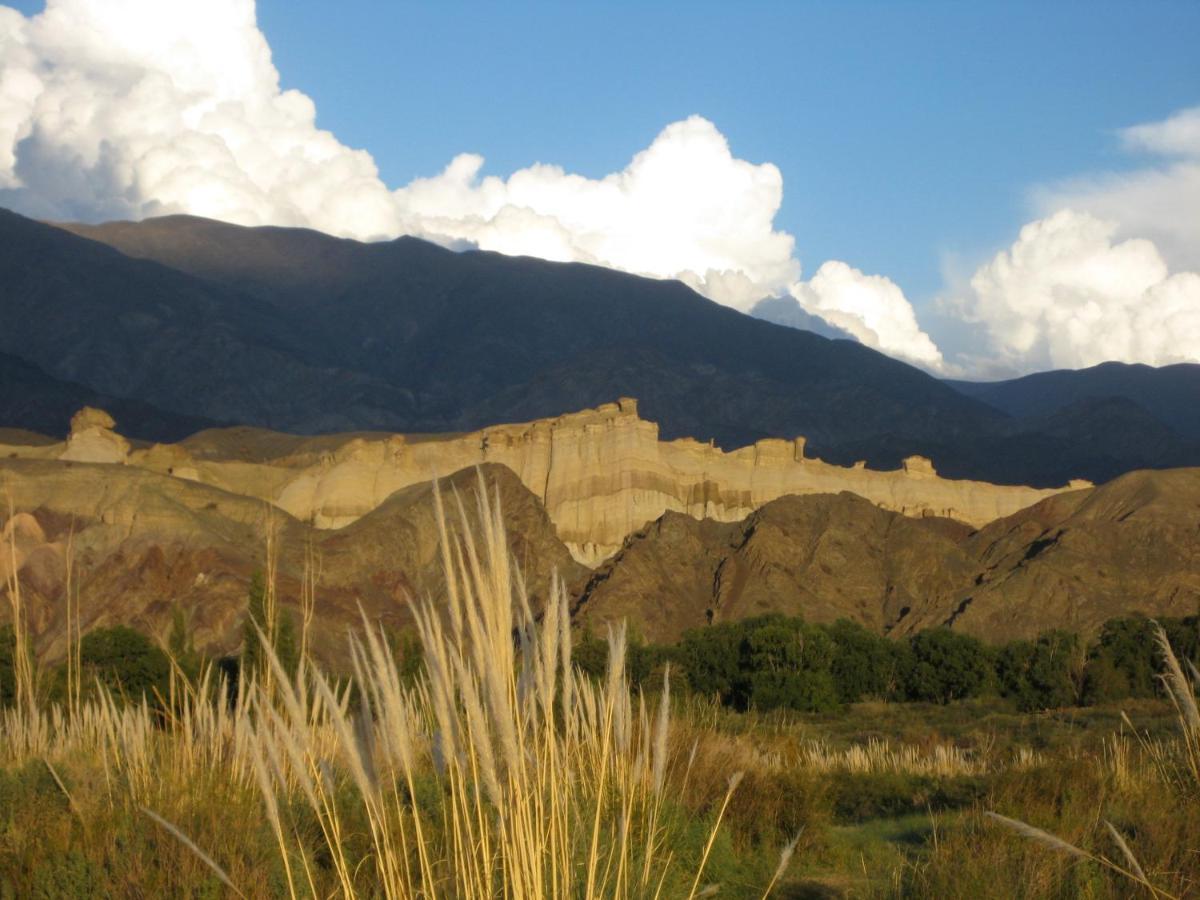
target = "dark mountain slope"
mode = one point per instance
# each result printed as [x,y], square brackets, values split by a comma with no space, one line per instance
[477,338]
[1170,393]
[302,332]
[30,399]
[136,329]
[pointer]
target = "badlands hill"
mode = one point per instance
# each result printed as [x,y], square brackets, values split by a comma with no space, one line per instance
[1071,561]
[668,534]
[297,331]
[141,544]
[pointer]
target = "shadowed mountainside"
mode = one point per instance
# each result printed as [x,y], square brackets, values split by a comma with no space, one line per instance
[1171,394]
[42,404]
[298,331]
[476,338]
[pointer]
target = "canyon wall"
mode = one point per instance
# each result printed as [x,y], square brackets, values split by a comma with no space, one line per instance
[601,473]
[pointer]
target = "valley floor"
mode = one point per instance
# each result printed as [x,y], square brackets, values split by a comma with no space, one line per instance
[888,800]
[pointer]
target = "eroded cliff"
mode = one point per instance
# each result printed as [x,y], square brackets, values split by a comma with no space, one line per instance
[602,474]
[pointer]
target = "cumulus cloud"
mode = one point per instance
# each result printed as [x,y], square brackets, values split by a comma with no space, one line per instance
[685,207]
[1159,200]
[1107,272]
[1069,294]
[870,307]
[133,108]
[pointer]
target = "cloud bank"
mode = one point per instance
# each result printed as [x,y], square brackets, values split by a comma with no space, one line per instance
[1091,281]
[134,108]
[1068,295]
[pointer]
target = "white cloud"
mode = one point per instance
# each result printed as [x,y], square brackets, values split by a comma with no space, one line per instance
[1067,294]
[1091,280]
[870,307]
[1159,201]
[684,207]
[132,108]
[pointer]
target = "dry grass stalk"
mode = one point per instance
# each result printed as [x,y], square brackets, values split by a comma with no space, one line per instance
[501,773]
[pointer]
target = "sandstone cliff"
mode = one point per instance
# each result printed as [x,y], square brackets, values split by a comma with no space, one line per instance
[601,474]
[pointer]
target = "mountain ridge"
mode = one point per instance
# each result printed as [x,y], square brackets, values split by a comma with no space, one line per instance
[298,331]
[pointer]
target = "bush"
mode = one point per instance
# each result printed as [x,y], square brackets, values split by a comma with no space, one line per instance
[710,658]
[1123,662]
[946,666]
[786,664]
[125,661]
[1042,674]
[766,663]
[865,664]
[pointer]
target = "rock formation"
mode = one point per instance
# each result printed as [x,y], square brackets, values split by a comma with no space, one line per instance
[601,473]
[141,544]
[92,438]
[1071,561]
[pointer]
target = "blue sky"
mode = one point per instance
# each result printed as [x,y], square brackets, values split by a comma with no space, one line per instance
[914,142]
[903,130]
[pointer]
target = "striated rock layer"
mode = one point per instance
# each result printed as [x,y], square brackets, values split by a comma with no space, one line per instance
[602,474]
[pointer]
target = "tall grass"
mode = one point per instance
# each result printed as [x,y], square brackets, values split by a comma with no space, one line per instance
[501,773]
[1178,767]
[25,689]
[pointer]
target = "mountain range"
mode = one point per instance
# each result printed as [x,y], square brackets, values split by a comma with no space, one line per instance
[179,322]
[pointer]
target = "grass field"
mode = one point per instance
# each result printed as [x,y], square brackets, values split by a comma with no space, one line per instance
[504,772]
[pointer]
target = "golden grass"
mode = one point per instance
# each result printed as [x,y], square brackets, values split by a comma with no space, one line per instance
[1177,763]
[502,773]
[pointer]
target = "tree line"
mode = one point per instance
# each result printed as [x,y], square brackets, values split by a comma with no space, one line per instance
[775,662]
[764,663]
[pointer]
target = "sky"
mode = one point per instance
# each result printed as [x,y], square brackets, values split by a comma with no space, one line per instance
[980,189]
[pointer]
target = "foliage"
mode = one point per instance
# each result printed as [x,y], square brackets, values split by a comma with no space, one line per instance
[1041,674]
[766,663]
[947,665]
[866,664]
[125,662]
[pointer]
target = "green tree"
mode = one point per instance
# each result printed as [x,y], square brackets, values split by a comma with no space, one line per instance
[947,665]
[786,664]
[865,664]
[1123,662]
[710,658]
[1041,674]
[125,661]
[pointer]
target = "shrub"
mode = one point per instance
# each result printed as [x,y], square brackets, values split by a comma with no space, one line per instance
[1042,674]
[125,661]
[710,659]
[865,664]
[786,664]
[1123,662]
[947,665]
